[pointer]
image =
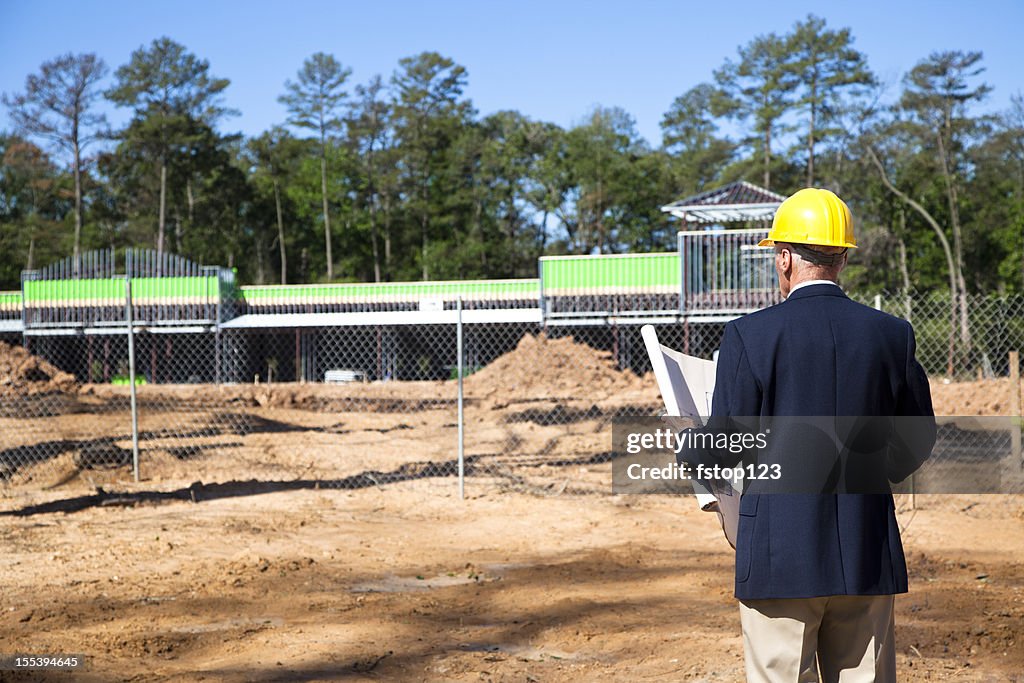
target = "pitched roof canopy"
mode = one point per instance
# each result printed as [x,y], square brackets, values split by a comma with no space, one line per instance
[738,201]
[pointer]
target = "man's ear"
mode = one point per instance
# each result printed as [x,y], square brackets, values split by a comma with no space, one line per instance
[785,257]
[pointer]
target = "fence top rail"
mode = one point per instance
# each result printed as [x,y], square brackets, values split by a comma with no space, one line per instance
[572,257]
[526,287]
[410,283]
[717,232]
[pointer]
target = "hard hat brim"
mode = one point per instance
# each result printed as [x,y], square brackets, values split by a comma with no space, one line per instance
[768,242]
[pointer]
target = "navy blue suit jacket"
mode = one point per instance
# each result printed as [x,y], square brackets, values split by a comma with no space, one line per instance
[820,354]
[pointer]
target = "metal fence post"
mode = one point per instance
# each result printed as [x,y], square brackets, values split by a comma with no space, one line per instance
[459,368]
[131,375]
[545,302]
[1015,408]
[681,249]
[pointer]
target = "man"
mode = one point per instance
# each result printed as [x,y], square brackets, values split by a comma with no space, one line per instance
[816,572]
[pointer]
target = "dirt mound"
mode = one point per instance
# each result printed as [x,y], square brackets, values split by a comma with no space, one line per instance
[544,367]
[22,374]
[984,397]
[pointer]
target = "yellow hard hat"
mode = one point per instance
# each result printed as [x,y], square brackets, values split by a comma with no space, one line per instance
[812,216]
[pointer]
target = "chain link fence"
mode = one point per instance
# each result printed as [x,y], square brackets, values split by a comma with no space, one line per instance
[958,348]
[368,405]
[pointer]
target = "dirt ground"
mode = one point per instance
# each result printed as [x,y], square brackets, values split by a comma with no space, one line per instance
[410,583]
[316,533]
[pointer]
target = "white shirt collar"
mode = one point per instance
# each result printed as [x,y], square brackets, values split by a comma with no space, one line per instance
[808,283]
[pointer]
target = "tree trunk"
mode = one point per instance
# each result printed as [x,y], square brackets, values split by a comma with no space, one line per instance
[191,207]
[937,229]
[768,157]
[571,228]
[327,217]
[511,221]
[904,272]
[163,207]
[260,274]
[423,246]
[374,239]
[177,232]
[371,185]
[424,224]
[478,228]
[387,240]
[954,219]
[810,139]
[77,254]
[280,234]
[543,232]
[837,175]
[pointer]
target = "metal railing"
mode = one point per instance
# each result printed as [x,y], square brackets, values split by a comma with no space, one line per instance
[388,296]
[724,271]
[169,290]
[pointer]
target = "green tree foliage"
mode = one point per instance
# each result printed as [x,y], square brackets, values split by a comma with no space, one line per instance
[58,105]
[936,97]
[505,232]
[999,186]
[760,88]
[33,207]
[828,67]
[271,161]
[173,98]
[402,179]
[550,185]
[697,152]
[937,126]
[315,102]
[603,155]
[372,142]
[429,116]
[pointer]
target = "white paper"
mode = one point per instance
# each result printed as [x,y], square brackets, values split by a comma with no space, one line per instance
[687,385]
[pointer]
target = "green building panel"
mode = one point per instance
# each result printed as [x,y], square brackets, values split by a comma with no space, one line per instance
[111,291]
[610,274]
[391,291]
[10,301]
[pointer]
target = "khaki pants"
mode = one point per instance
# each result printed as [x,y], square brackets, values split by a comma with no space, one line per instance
[848,638]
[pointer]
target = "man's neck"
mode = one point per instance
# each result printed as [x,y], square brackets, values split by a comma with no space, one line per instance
[808,283]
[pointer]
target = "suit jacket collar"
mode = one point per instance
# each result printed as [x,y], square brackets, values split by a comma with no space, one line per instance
[817,290]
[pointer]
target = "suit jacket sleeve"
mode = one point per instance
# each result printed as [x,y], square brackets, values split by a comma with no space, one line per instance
[915,418]
[737,394]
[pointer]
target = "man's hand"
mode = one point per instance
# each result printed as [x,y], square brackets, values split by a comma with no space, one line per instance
[680,423]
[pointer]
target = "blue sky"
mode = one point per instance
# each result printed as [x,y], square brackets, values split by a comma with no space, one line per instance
[550,60]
